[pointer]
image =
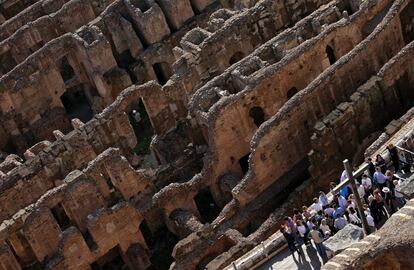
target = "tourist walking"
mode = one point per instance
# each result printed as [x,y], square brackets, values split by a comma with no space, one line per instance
[290,240]
[380,162]
[317,238]
[394,156]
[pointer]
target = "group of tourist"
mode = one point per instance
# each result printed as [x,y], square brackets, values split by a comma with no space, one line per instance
[377,189]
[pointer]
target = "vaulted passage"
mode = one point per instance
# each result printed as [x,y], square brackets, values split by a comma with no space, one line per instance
[206,205]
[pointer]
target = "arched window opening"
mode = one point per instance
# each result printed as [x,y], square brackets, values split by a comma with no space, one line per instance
[331,55]
[236,58]
[292,91]
[258,115]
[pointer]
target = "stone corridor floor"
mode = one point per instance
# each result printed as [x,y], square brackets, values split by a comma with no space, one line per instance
[284,260]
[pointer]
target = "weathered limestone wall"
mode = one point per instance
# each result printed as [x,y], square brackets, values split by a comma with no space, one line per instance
[95,53]
[96,217]
[287,129]
[383,98]
[39,9]
[222,132]
[26,182]
[31,37]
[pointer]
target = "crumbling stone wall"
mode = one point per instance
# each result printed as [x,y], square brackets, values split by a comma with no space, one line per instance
[372,106]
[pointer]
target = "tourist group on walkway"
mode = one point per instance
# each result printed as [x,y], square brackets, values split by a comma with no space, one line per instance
[377,190]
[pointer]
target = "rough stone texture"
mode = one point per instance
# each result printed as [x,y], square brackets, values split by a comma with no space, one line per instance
[343,239]
[388,247]
[407,188]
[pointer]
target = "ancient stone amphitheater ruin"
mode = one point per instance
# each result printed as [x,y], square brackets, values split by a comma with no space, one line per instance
[245,110]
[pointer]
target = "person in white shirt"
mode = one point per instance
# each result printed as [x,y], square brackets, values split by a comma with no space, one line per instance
[370,221]
[317,206]
[398,196]
[325,228]
[361,190]
[353,216]
[366,183]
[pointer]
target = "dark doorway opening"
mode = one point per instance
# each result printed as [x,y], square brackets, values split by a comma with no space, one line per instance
[146,233]
[206,205]
[7,62]
[244,163]
[407,22]
[236,58]
[161,245]
[61,217]
[162,72]
[112,260]
[125,60]
[66,70]
[77,104]
[141,4]
[258,116]
[292,91]
[143,129]
[331,55]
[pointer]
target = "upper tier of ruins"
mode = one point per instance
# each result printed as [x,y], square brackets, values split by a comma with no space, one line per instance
[176,134]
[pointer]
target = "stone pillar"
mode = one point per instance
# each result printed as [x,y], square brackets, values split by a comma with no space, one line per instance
[42,232]
[7,259]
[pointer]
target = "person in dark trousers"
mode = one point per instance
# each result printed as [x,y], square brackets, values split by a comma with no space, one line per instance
[380,162]
[394,157]
[371,167]
[290,240]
